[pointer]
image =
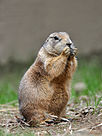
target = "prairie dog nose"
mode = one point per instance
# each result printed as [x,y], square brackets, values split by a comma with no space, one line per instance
[70,45]
[72,48]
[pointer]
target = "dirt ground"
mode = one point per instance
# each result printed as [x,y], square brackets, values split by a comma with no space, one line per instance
[83,121]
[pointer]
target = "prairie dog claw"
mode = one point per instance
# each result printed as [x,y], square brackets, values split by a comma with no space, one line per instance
[75,50]
[66,51]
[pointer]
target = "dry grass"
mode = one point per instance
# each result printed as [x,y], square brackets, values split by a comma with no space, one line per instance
[85,121]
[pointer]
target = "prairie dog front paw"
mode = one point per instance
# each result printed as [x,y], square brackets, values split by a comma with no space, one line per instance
[73,52]
[66,51]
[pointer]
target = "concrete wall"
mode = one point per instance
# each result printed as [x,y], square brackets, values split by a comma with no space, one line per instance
[25,24]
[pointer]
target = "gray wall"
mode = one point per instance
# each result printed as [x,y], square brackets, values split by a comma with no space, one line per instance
[25,24]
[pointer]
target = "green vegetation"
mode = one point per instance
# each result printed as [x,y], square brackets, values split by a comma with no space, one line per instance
[20,133]
[10,76]
[88,71]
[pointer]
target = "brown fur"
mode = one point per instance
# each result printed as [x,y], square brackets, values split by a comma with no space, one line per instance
[45,87]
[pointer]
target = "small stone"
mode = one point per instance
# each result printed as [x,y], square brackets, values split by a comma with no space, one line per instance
[97,96]
[78,87]
[84,98]
[101,102]
[86,111]
[41,133]
[91,110]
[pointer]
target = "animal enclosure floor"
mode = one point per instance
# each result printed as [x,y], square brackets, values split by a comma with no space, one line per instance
[85,121]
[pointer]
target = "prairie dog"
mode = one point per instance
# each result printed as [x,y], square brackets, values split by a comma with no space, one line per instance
[45,87]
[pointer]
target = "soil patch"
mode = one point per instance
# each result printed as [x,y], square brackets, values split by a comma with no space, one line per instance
[84,121]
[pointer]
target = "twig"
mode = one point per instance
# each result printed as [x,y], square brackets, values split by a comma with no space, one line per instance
[22,122]
[82,129]
[95,126]
[69,129]
[15,101]
[5,110]
[99,115]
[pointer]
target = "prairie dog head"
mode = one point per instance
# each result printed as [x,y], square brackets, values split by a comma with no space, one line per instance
[56,42]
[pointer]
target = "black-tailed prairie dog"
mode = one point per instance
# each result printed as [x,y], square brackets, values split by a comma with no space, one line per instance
[45,87]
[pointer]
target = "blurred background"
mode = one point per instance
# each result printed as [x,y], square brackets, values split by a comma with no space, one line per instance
[24,26]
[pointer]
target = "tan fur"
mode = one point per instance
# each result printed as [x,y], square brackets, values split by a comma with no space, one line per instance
[45,87]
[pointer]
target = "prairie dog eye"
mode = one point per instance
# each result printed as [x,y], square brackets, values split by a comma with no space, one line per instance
[56,38]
